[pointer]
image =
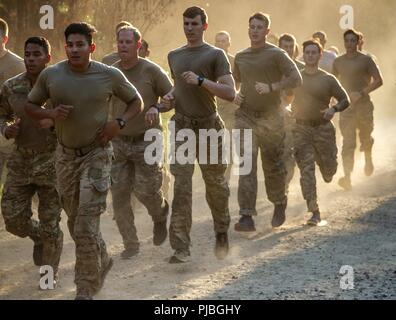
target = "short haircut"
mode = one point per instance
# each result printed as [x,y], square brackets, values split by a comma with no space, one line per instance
[122,24]
[41,41]
[287,37]
[224,33]
[137,36]
[263,17]
[83,28]
[194,11]
[319,34]
[352,31]
[314,43]
[145,44]
[3,28]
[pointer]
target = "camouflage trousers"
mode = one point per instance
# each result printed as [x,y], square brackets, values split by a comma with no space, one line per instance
[217,190]
[314,144]
[268,136]
[358,117]
[288,157]
[227,113]
[29,174]
[4,155]
[131,173]
[83,183]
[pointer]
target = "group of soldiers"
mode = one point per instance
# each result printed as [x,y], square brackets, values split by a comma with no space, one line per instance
[79,127]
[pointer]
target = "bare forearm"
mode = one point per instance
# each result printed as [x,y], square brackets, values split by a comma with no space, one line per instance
[133,109]
[37,113]
[292,81]
[374,85]
[221,90]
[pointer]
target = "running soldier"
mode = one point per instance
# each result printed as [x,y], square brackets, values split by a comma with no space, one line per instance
[226,109]
[80,90]
[31,166]
[359,75]
[10,66]
[263,71]
[200,72]
[314,133]
[288,43]
[130,170]
[113,57]
[328,57]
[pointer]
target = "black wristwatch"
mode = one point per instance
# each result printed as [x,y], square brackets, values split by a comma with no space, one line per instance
[200,80]
[121,122]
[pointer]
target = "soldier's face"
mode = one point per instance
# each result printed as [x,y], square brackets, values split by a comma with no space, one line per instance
[194,29]
[222,42]
[351,43]
[289,47]
[312,55]
[257,31]
[35,58]
[78,50]
[127,46]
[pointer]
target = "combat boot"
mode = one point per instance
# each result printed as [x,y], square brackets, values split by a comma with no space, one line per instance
[279,216]
[315,219]
[245,224]
[160,231]
[83,294]
[345,183]
[38,253]
[180,256]
[129,252]
[222,246]
[368,166]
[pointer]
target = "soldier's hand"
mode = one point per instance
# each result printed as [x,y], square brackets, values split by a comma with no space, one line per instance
[46,123]
[190,77]
[355,96]
[239,98]
[109,131]
[61,112]
[167,101]
[152,116]
[12,131]
[328,113]
[262,88]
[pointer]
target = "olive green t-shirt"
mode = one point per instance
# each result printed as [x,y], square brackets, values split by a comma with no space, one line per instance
[152,82]
[88,92]
[300,65]
[267,64]
[315,94]
[111,58]
[221,102]
[10,66]
[13,98]
[206,61]
[355,73]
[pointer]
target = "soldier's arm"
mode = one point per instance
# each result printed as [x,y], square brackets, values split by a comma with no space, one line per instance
[341,95]
[376,78]
[224,88]
[6,112]
[292,77]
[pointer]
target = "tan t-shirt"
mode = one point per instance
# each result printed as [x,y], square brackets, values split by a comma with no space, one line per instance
[152,82]
[267,64]
[206,61]
[315,94]
[355,73]
[88,92]
[10,66]
[13,98]
[111,58]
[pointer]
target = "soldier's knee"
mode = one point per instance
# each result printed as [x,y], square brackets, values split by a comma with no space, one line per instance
[17,226]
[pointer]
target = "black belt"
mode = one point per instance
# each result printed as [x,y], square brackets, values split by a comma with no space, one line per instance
[195,122]
[131,139]
[312,123]
[80,152]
